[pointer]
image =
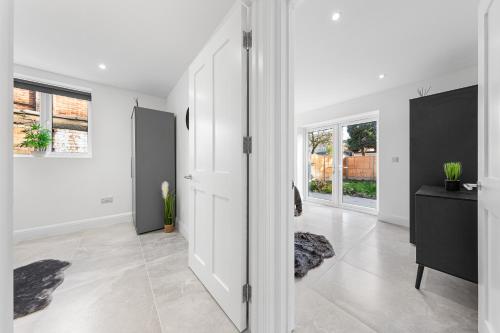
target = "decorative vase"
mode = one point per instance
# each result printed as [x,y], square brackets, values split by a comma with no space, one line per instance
[452,185]
[169,228]
[39,153]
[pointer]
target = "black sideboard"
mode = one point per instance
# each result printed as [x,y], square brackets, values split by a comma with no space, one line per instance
[446,232]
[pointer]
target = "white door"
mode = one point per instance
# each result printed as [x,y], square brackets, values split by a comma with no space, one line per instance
[489,166]
[217,104]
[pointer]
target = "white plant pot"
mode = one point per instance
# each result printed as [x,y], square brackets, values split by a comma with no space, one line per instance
[38,153]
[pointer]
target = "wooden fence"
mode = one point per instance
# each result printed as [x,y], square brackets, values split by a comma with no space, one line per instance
[354,167]
[321,167]
[360,167]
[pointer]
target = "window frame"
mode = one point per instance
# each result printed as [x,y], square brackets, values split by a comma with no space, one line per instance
[46,118]
[337,124]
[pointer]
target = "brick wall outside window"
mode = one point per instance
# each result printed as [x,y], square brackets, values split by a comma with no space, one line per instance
[26,112]
[69,125]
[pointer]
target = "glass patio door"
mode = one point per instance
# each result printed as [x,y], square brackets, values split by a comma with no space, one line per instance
[321,165]
[342,163]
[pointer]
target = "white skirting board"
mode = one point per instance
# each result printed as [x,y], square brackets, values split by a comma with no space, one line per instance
[183,229]
[73,226]
[399,220]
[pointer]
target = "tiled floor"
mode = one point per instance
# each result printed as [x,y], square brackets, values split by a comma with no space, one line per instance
[121,283]
[369,285]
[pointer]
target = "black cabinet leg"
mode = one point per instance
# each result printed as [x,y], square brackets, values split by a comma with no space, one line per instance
[420,272]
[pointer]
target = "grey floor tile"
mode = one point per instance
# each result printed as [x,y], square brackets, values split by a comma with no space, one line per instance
[371,281]
[118,303]
[315,314]
[124,283]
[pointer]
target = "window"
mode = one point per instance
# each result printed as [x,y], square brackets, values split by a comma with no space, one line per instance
[63,111]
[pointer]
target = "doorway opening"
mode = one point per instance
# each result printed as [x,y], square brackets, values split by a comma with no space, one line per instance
[352,165]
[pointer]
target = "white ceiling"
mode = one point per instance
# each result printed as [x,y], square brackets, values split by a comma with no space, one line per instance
[146,45]
[407,40]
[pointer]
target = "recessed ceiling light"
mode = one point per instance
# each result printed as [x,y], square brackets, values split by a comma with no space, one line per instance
[336,16]
[102,66]
[381,76]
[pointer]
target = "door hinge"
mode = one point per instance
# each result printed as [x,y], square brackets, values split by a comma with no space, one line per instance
[247,145]
[247,293]
[247,40]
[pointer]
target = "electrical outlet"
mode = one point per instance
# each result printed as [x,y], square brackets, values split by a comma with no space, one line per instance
[106,200]
[395,159]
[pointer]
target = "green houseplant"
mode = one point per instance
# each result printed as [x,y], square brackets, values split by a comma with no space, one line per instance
[453,171]
[37,138]
[168,207]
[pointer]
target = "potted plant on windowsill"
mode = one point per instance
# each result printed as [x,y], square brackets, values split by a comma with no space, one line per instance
[168,208]
[453,171]
[37,138]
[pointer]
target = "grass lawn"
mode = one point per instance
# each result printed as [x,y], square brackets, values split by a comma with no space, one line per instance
[360,188]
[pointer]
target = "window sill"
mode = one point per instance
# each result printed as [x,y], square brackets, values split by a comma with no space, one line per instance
[57,155]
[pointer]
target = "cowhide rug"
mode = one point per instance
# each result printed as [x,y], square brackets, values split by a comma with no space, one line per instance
[34,284]
[310,250]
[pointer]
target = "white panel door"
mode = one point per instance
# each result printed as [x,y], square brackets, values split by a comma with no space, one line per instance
[489,166]
[217,229]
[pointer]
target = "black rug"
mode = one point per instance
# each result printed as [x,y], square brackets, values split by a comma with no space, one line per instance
[310,250]
[34,284]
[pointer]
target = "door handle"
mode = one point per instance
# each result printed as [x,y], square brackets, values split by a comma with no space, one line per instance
[188,177]
[472,186]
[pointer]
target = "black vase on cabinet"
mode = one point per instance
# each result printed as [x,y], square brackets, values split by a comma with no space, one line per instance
[452,185]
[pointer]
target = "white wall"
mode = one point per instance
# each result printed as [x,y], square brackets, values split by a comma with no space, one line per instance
[178,102]
[394,136]
[52,191]
[6,37]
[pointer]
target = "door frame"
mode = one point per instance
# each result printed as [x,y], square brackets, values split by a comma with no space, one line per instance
[272,166]
[6,166]
[337,125]
[487,183]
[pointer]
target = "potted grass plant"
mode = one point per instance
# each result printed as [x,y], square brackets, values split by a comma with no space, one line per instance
[37,138]
[168,208]
[453,171]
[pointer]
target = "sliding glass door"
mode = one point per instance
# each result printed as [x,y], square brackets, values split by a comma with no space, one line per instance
[342,162]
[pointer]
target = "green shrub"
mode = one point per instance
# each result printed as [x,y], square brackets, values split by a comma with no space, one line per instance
[360,188]
[354,188]
[320,186]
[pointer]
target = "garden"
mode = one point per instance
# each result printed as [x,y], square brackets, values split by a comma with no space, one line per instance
[355,188]
[359,162]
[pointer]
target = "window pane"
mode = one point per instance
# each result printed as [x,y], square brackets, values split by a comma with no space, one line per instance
[359,181]
[26,112]
[69,125]
[320,165]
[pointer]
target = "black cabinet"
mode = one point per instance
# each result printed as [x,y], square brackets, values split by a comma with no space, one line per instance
[446,232]
[443,127]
